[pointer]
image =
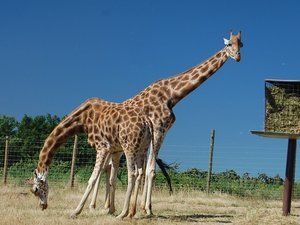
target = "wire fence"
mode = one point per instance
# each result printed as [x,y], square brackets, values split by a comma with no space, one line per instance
[189,166]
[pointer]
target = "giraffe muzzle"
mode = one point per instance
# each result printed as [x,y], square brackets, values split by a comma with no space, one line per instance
[43,206]
[34,191]
[238,57]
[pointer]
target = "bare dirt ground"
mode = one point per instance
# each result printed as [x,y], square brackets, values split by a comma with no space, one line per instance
[19,206]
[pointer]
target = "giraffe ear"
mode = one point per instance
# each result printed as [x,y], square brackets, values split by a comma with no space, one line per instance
[226,41]
[35,173]
[45,174]
[29,182]
[239,35]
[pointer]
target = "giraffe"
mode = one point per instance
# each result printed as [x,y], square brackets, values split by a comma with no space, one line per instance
[112,129]
[158,100]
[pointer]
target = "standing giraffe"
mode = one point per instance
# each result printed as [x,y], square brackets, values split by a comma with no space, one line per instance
[158,100]
[112,129]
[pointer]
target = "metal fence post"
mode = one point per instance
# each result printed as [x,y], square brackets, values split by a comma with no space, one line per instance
[289,176]
[5,161]
[73,161]
[211,153]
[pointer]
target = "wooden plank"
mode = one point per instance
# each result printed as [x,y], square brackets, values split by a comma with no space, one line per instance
[269,134]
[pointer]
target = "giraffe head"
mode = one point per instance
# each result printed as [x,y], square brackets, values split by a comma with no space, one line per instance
[233,46]
[40,187]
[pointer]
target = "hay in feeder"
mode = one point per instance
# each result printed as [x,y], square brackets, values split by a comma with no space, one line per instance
[282,110]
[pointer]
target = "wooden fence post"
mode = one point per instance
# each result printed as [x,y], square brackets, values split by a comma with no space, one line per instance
[73,161]
[5,161]
[212,144]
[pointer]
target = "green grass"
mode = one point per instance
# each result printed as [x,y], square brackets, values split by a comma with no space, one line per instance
[229,182]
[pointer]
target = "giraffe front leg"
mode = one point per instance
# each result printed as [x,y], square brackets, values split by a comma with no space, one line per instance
[132,210]
[131,181]
[95,193]
[91,183]
[97,169]
[96,188]
[115,161]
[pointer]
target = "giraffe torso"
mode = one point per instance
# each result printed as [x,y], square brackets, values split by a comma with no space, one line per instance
[110,126]
[117,126]
[156,103]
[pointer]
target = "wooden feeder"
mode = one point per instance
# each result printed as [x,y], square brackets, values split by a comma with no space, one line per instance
[282,120]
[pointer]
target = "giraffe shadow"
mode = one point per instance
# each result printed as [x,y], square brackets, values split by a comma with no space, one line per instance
[195,218]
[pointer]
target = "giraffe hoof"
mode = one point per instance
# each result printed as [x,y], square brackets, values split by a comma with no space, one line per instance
[73,216]
[92,207]
[109,211]
[149,213]
[143,211]
[121,216]
[131,214]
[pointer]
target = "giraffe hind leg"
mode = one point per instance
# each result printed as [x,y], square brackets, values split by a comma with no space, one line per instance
[145,188]
[108,171]
[150,174]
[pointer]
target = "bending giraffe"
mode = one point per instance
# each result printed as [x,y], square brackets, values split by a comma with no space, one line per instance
[112,129]
[159,99]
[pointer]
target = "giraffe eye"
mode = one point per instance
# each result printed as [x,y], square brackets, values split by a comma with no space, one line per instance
[229,44]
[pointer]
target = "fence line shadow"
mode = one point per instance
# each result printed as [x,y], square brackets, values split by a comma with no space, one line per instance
[193,218]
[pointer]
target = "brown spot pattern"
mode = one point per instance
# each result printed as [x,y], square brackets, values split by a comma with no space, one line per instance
[204,69]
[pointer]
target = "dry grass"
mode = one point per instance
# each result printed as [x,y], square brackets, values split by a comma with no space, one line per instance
[18,206]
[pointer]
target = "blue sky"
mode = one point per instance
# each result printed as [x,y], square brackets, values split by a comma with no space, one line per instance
[56,54]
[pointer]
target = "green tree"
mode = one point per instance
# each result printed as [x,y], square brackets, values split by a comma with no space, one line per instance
[31,134]
[8,126]
[37,128]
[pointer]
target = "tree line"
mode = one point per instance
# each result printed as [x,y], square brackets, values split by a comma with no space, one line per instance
[27,136]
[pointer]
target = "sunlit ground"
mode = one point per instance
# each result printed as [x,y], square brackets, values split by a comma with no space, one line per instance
[19,206]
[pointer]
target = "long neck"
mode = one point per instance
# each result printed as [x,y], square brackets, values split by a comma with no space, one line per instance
[172,90]
[57,137]
[183,84]
[71,125]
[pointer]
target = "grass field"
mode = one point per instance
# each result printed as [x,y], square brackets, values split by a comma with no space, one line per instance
[18,206]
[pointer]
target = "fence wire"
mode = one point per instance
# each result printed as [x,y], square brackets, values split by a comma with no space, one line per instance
[188,169]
